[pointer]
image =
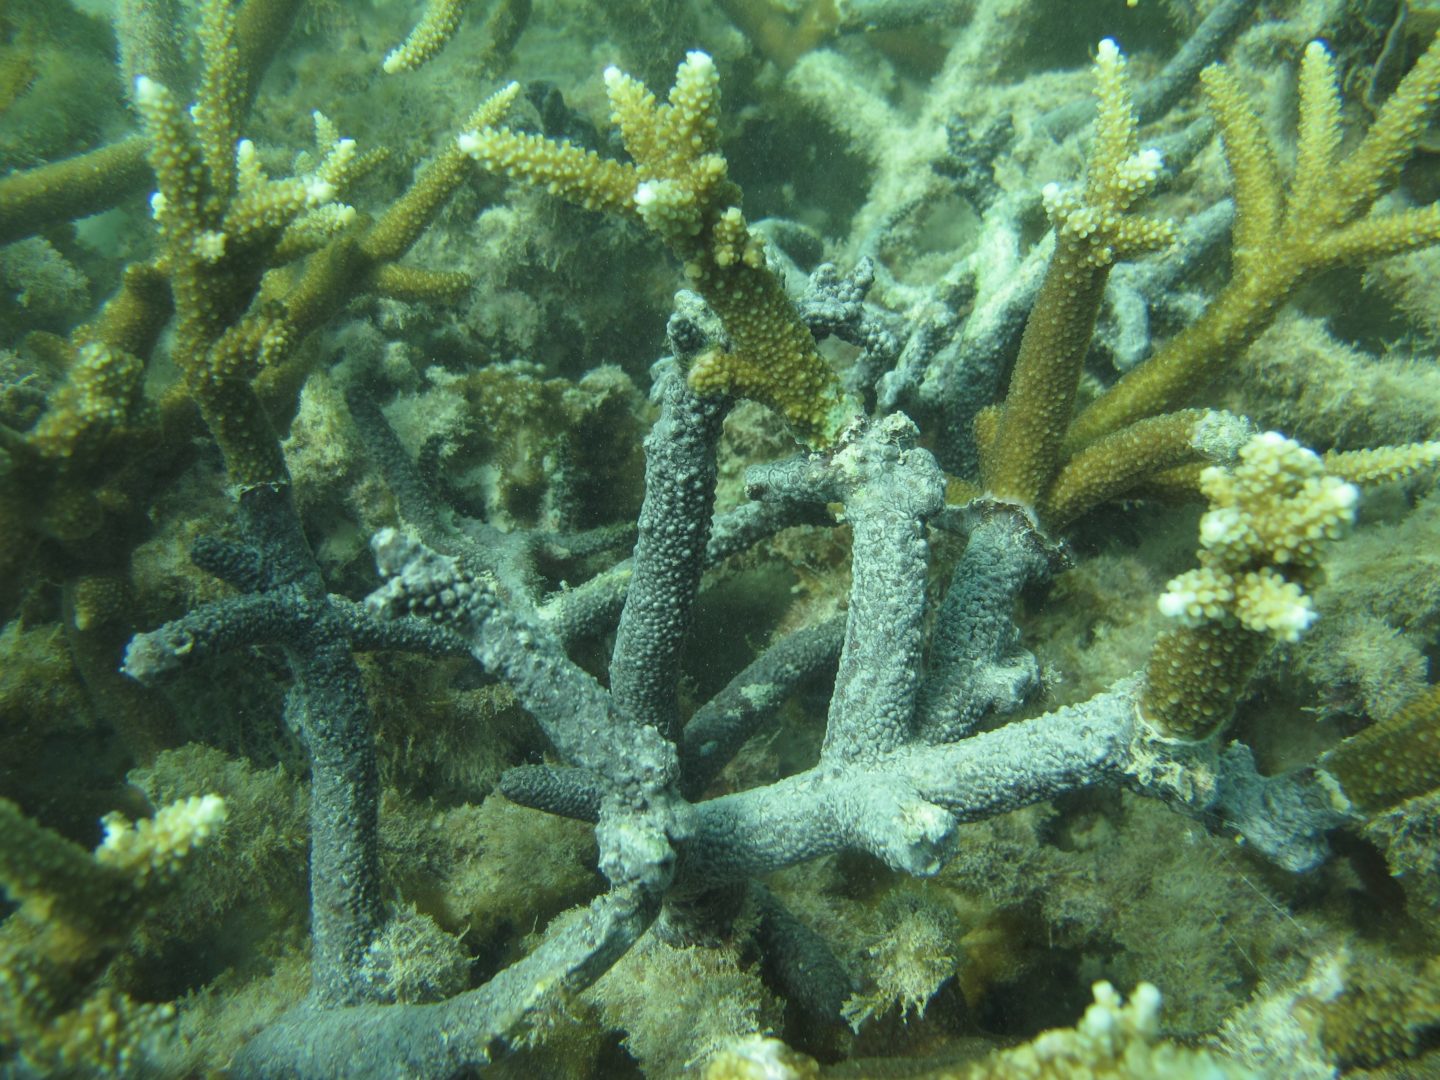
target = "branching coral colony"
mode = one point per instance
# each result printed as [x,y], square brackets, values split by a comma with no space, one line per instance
[921,735]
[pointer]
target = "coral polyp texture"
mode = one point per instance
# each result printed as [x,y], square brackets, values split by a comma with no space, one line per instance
[908,550]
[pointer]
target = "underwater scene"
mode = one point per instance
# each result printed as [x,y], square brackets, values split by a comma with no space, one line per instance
[735,539]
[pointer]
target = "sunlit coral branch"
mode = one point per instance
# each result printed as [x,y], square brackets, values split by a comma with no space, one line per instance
[1131,457]
[69,189]
[213,237]
[1260,544]
[1382,464]
[1093,229]
[224,226]
[1392,760]
[436,27]
[679,188]
[1280,240]
[74,906]
[36,199]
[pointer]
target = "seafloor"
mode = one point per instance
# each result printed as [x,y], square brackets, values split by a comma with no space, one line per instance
[407,337]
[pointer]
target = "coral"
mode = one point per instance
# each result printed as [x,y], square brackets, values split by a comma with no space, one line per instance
[438,23]
[436,26]
[1393,760]
[1384,464]
[1032,453]
[1278,1030]
[730,837]
[1407,836]
[1115,1038]
[57,463]
[656,741]
[1383,1011]
[1092,230]
[1282,239]
[249,867]
[216,212]
[759,1058]
[75,187]
[155,846]
[250,267]
[74,907]
[38,198]
[678,188]
[1260,543]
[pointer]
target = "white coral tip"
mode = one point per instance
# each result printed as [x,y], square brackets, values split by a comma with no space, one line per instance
[1176,605]
[147,90]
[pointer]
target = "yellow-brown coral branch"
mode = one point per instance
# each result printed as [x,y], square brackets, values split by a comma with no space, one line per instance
[679,189]
[1280,243]
[77,187]
[1260,543]
[1041,397]
[1382,464]
[432,33]
[1259,203]
[1120,462]
[1394,760]
[1092,230]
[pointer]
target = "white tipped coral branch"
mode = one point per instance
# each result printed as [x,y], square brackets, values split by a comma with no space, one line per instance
[431,34]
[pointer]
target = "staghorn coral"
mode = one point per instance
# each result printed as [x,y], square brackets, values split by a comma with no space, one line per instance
[678,189]
[74,908]
[1284,238]
[436,26]
[1034,450]
[1093,230]
[1259,548]
[709,750]
[1386,1012]
[439,22]
[1393,760]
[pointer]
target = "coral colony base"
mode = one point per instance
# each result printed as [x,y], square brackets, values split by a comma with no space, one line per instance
[991,640]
